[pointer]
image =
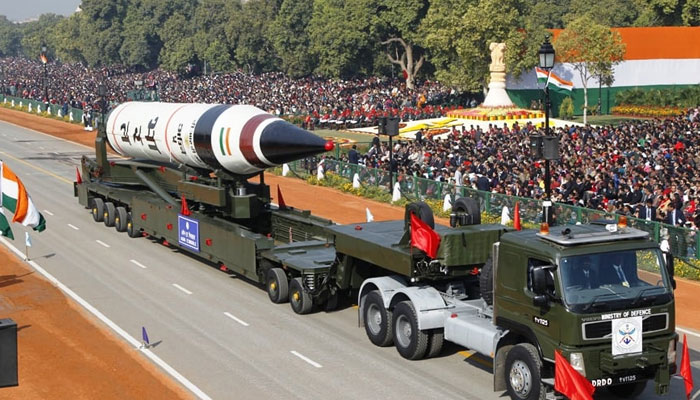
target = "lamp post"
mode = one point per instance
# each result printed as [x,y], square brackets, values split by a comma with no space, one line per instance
[44,59]
[546,62]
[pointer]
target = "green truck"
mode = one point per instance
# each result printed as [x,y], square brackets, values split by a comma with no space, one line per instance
[601,294]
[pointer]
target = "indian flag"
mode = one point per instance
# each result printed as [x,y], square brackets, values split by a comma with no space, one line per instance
[16,200]
[556,82]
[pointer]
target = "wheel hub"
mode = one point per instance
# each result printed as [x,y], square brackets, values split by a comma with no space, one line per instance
[520,378]
[374,319]
[295,296]
[273,286]
[404,330]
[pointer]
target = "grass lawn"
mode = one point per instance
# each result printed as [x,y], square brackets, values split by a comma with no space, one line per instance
[604,119]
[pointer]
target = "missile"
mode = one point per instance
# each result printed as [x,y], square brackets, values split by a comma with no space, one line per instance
[241,139]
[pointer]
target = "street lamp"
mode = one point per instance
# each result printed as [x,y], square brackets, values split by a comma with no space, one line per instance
[44,59]
[546,62]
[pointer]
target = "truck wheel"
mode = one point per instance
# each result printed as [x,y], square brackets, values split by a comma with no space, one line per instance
[120,220]
[469,206]
[410,341]
[277,285]
[628,390]
[109,214]
[300,300]
[422,211]
[378,320]
[435,342]
[98,209]
[523,379]
[130,228]
[486,282]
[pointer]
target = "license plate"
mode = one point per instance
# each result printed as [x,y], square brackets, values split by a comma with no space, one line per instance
[616,380]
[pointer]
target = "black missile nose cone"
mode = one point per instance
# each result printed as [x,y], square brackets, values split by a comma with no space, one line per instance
[282,142]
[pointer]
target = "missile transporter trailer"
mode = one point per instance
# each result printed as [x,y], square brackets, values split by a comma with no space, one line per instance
[601,294]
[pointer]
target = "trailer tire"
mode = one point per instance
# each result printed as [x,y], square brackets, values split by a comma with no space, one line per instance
[379,321]
[435,343]
[130,229]
[486,282]
[109,214]
[410,342]
[628,390]
[277,285]
[98,209]
[470,207]
[300,300]
[120,220]
[422,211]
[523,373]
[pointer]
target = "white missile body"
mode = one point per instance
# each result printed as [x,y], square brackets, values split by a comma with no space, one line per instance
[239,138]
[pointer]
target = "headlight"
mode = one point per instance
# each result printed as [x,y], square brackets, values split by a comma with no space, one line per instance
[576,361]
[671,354]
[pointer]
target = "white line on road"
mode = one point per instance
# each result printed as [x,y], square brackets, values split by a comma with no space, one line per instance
[138,263]
[102,243]
[233,317]
[688,332]
[307,359]
[116,328]
[182,288]
[48,212]
[74,227]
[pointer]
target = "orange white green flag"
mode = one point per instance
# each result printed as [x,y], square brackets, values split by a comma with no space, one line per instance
[16,201]
[554,81]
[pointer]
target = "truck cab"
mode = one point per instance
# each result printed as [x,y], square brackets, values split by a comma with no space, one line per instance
[601,294]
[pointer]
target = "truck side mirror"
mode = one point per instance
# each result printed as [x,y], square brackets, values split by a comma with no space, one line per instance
[670,268]
[539,286]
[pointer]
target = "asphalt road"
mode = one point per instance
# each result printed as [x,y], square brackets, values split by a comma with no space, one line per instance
[222,333]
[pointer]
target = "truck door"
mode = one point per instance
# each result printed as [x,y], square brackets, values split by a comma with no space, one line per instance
[543,319]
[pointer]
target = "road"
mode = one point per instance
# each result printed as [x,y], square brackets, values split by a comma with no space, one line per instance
[220,332]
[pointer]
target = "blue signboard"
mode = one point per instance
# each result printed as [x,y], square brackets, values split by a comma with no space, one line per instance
[188,233]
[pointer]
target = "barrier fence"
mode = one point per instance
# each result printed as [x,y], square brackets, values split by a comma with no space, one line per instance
[70,114]
[683,242]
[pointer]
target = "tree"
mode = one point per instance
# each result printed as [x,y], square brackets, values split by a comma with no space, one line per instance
[101,30]
[10,37]
[691,13]
[592,49]
[177,53]
[659,12]
[211,44]
[399,19]
[66,34]
[290,38]
[247,34]
[617,13]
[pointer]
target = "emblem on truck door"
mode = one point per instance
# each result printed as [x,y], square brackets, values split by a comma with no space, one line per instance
[627,335]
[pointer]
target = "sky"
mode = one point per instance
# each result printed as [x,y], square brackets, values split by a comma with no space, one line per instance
[21,10]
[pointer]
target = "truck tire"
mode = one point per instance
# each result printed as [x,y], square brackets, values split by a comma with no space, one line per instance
[435,342]
[379,321]
[277,285]
[486,282]
[110,214]
[470,207]
[422,211]
[130,228]
[411,342]
[300,300]
[523,373]
[120,220]
[98,209]
[628,390]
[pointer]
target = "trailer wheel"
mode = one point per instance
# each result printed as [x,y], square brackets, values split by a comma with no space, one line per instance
[523,369]
[470,207]
[98,209]
[435,342]
[628,390]
[120,219]
[410,341]
[109,214]
[130,228]
[277,285]
[300,300]
[486,282]
[379,321]
[422,211]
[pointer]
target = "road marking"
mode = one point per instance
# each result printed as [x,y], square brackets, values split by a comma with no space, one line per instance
[138,263]
[41,147]
[240,321]
[688,332]
[182,288]
[47,172]
[74,227]
[307,359]
[102,243]
[476,357]
[116,328]
[48,212]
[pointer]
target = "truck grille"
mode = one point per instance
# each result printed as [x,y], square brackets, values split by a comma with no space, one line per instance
[603,329]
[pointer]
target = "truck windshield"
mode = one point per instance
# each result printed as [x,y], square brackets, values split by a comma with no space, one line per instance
[606,281]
